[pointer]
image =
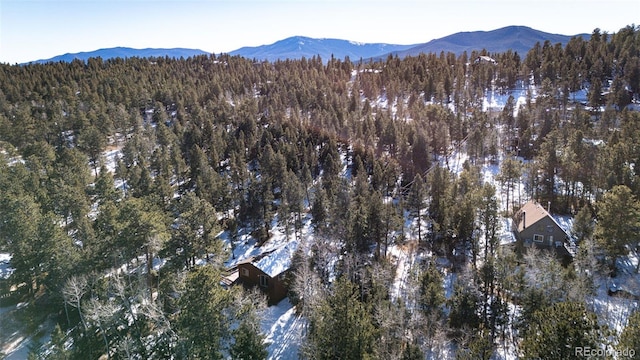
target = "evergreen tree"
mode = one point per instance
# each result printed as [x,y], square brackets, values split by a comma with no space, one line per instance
[202,323]
[560,330]
[478,347]
[319,211]
[341,327]
[510,172]
[105,189]
[194,233]
[412,352]
[549,163]
[618,221]
[58,350]
[143,231]
[630,336]
[249,342]
[583,224]
[464,306]
[416,202]
[431,290]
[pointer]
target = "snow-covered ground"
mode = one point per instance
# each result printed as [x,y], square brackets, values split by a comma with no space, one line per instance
[496,100]
[284,330]
[15,345]
[111,158]
[5,269]
[614,311]
[405,256]
[505,234]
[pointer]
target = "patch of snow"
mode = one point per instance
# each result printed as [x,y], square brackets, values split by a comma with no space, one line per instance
[454,161]
[505,235]
[581,96]
[158,263]
[5,268]
[20,346]
[594,142]
[496,100]
[346,169]
[449,281]
[612,310]
[284,330]
[111,159]
[405,259]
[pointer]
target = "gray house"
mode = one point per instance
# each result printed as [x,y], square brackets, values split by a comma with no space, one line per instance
[534,226]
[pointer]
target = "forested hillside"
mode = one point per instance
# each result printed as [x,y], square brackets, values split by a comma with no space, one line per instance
[126,186]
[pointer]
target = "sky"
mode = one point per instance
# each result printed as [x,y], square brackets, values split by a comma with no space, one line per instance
[41,29]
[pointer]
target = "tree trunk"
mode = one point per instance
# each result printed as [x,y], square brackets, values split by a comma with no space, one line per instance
[149,256]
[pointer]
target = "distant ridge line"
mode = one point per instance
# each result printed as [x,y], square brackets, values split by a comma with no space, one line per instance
[516,38]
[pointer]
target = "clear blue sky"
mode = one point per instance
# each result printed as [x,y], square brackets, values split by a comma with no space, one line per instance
[39,29]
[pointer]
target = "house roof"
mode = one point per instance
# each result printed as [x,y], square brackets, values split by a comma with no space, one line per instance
[277,261]
[530,214]
[486,59]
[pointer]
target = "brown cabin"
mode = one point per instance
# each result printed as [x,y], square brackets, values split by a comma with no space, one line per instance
[266,271]
[273,285]
[534,226]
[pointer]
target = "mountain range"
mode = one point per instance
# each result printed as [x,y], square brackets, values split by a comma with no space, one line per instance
[516,38]
[125,52]
[296,47]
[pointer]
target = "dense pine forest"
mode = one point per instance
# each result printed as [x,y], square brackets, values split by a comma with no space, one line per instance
[127,186]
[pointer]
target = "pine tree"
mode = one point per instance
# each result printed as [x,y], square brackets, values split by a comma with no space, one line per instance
[104,186]
[341,327]
[416,202]
[583,224]
[618,220]
[249,342]
[549,163]
[431,290]
[510,172]
[464,308]
[478,347]
[412,352]
[143,231]
[630,336]
[319,211]
[202,324]
[194,233]
[560,330]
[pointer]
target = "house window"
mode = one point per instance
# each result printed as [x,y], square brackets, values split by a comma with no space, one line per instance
[264,280]
[549,229]
[244,271]
[538,238]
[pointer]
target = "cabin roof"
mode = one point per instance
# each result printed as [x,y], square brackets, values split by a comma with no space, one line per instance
[530,214]
[277,261]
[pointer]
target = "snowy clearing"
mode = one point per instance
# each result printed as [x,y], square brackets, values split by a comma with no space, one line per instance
[284,330]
